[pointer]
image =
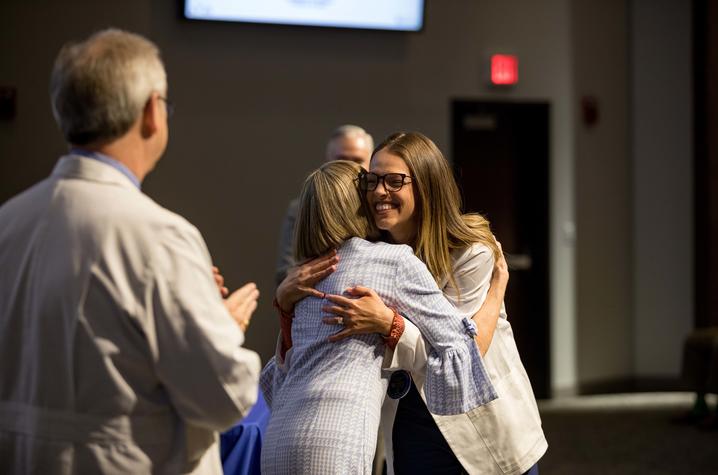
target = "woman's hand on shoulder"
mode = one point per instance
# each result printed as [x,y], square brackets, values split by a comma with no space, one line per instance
[301,279]
[361,313]
[500,276]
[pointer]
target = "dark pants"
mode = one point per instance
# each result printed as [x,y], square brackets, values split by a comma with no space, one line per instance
[419,446]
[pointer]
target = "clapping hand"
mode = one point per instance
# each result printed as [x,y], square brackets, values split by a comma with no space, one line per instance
[242,303]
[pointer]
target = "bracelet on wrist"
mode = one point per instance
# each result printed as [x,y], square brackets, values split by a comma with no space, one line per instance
[396,330]
[282,313]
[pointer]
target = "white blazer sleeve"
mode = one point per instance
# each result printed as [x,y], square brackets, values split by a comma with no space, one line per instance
[473,267]
[210,379]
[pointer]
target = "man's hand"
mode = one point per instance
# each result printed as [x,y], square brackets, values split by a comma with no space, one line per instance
[242,303]
[219,280]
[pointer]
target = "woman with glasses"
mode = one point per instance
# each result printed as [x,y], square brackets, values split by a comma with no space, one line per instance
[326,397]
[414,200]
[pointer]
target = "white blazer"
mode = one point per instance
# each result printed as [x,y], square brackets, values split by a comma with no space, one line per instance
[116,352]
[503,436]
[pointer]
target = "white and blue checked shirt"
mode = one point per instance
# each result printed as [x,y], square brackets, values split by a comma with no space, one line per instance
[326,398]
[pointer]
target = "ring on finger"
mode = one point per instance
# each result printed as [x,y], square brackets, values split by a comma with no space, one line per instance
[340,320]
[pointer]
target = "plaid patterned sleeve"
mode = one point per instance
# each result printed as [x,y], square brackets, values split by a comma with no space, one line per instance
[456,380]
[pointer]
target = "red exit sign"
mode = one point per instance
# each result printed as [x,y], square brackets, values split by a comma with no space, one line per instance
[504,69]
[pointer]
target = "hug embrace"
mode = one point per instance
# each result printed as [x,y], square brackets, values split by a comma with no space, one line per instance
[417,289]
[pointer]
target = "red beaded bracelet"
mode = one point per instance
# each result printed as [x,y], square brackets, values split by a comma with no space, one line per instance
[282,313]
[285,326]
[397,329]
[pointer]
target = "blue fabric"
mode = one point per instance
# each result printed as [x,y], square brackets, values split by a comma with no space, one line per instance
[241,446]
[108,161]
[533,470]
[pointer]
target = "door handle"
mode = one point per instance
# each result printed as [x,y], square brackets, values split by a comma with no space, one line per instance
[483,122]
[519,261]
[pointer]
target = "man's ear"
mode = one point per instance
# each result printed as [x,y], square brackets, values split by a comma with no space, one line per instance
[151,116]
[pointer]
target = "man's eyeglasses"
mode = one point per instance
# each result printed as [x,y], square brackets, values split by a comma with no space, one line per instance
[392,181]
[169,106]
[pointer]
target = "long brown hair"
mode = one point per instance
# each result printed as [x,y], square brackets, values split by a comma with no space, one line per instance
[441,225]
[331,210]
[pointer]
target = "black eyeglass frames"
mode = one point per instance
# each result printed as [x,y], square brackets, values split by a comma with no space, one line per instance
[169,105]
[392,181]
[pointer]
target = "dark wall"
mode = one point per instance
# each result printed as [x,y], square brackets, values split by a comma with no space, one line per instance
[255,103]
[706,161]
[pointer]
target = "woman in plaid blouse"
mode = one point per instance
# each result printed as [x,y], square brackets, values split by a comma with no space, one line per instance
[326,397]
[414,200]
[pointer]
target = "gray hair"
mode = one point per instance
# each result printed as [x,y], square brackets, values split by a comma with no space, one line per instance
[99,87]
[349,130]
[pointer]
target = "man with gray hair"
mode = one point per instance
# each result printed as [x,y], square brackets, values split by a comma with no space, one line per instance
[347,142]
[117,352]
[352,143]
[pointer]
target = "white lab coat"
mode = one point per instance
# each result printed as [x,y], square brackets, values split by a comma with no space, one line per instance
[503,437]
[116,352]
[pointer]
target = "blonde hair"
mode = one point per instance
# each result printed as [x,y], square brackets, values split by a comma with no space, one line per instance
[441,225]
[331,210]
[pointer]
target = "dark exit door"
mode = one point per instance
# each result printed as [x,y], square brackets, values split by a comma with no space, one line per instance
[500,155]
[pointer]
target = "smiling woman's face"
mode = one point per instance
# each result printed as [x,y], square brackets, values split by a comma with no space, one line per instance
[393,211]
